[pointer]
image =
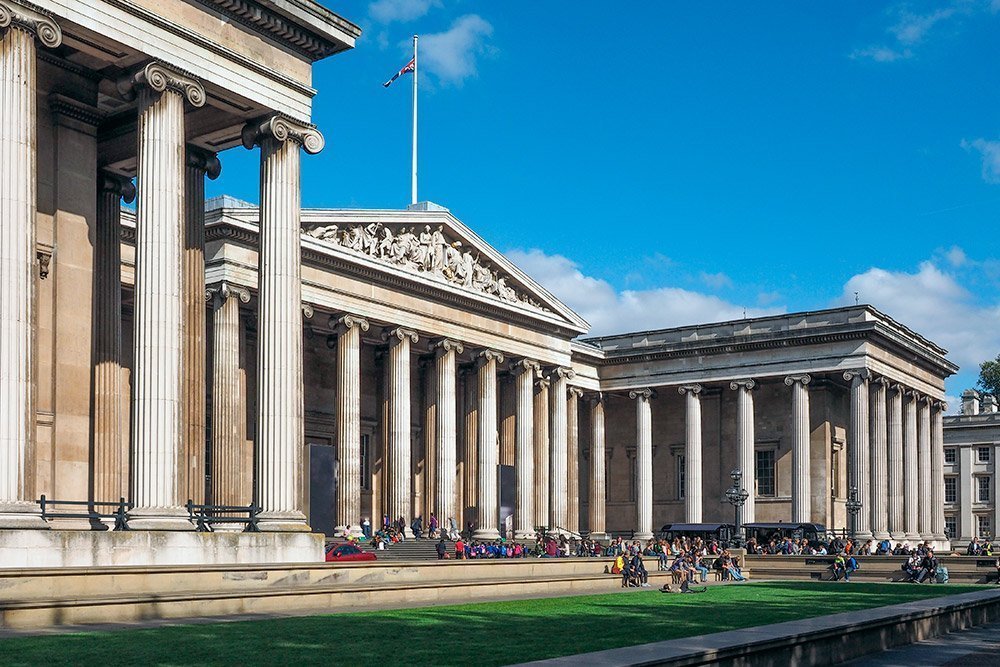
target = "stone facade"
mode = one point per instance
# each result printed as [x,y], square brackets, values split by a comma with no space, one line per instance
[971,480]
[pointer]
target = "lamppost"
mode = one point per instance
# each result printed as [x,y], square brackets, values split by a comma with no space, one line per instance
[737,497]
[853,506]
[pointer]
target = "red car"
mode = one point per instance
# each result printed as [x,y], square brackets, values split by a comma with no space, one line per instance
[347,552]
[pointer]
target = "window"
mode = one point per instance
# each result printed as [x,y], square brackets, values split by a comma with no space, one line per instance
[950,527]
[984,454]
[951,489]
[366,462]
[950,455]
[984,527]
[983,488]
[681,486]
[764,472]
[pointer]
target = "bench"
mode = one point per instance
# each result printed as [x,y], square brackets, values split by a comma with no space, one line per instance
[206,516]
[51,510]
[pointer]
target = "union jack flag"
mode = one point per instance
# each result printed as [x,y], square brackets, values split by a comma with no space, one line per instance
[408,67]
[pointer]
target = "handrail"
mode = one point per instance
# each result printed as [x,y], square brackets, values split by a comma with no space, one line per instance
[120,515]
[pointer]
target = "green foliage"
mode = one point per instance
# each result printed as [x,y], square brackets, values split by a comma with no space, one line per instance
[489,633]
[989,377]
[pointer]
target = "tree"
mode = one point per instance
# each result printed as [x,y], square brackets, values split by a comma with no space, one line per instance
[989,377]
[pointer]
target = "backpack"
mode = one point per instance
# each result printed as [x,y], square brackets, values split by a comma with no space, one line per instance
[941,576]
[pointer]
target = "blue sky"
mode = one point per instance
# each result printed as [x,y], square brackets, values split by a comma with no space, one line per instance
[660,164]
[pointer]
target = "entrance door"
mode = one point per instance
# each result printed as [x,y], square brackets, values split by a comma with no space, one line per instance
[322,487]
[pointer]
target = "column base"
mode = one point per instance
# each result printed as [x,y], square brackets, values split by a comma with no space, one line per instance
[522,535]
[488,534]
[863,536]
[897,536]
[159,518]
[598,537]
[642,536]
[913,538]
[22,516]
[881,535]
[282,522]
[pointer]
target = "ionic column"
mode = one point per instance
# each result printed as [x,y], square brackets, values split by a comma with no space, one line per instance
[397,488]
[573,459]
[643,463]
[911,471]
[558,475]
[745,440]
[937,472]
[541,437]
[489,447]
[191,466]
[878,511]
[111,459]
[801,483]
[229,444]
[858,448]
[446,429]
[596,497]
[897,524]
[524,510]
[279,339]
[349,329]
[158,395]
[924,467]
[692,452]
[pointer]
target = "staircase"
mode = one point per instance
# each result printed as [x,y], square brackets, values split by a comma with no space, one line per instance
[411,550]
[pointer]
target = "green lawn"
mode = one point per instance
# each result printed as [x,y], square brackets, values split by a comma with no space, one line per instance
[489,633]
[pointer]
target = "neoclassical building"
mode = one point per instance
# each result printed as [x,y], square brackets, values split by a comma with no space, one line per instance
[971,482]
[330,365]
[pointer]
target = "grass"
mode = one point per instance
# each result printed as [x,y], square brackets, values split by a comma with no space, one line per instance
[489,633]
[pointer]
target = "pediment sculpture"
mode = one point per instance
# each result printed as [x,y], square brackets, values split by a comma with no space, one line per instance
[427,251]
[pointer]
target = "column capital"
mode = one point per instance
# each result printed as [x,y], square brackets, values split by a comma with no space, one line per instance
[223,291]
[206,161]
[859,375]
[939,405]
[443,346]
[644,394]
[524,366]
[119,185]
[30,19]
[595,397]
[282,128]
[746,384]
[689,389]
[345,323]
[803,379]
[878,380]
[563,373]
[399,334]
[307,310]
[487,356]
[543,382]
[160,77]
[575,391]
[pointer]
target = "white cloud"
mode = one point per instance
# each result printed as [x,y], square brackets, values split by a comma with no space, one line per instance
[881,54]
[909,30]
[990,153]
[452,55]
[611,311]
[912,28]
[956,256]
[387,11]
[715,281]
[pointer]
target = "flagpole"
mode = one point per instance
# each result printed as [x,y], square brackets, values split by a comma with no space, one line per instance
[413,182]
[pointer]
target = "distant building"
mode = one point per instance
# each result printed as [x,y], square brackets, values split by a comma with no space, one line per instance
[971,482]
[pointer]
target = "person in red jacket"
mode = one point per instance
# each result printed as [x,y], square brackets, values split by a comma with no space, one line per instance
[459,548]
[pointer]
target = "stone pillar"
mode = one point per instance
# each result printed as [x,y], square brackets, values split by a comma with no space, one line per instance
[644,463]
[349,329]
[879,461]
[191,467]
[489,447]
[573,459]
[897,525]
[445,431]
[397,488]
[596,499]
[924,470]
[911,471]
[111,456]
[859,453]
[558,475]
[542,453]
[470,434]
[229,474]
[280,425]
[158,395]
[524,510]
[801,482]
[692,453]
[18,200]
[745,440]
[937,472]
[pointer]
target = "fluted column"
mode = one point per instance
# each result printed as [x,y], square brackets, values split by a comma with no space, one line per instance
[643,463]
[111,457]
[397,491]
[573,459]
[911,471]
[542,453]
[558,474]
[801,482]
[18,199]
[937,472]
[596,499]
[925,470]
[229,455]
[199,164]
[525,372]
[446,428]
[279,339]
[692,453]
[859,446]
[470,434]
[349,329]
[745,439]
[879,461]
[489,447]
[158,392]
[897,524]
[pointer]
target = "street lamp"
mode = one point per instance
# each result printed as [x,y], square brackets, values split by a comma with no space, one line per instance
[853,506]
[737,497]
